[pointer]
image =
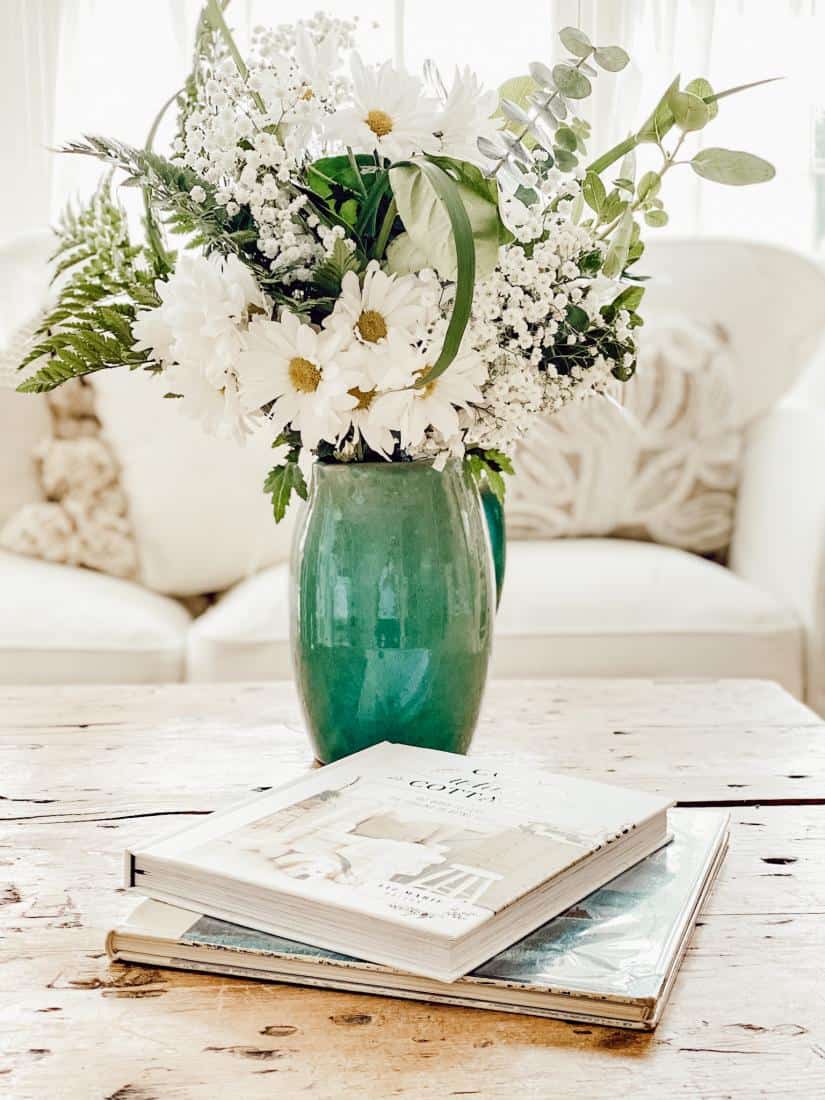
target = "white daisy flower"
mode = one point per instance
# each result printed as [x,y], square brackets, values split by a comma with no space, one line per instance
[295,366]
[465,117]
[379,317]
[204,304]
[390,115]
[196,334]
[436,404]
[317,61]
[371,421]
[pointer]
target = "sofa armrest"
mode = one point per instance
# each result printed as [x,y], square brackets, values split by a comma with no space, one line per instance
[779,537]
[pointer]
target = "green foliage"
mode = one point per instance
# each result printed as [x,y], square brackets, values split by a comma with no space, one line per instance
[281,482]
[284,480]
[732,167]
[487,467]
[329,275]
[90,326]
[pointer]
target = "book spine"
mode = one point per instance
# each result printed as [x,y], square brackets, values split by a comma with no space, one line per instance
[128,869]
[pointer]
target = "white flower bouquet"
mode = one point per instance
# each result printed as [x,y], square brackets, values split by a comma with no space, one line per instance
[375,267]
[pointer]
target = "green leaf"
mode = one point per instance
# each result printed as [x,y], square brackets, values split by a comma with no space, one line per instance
[611,58]
[518,90]
[571,82]
[499,459]
[576,41]
[426,217]
[419,180]
[614,205]
[577,318]
[689,111]
[616,256]
[565,162]
[594,192]
[566,139]
[661,119]
[702,88]
[656,218]
[732,167]
[329,274]
[281,482]
[649,186]
[629,299]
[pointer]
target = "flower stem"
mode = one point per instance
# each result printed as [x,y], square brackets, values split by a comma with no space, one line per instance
[215,15]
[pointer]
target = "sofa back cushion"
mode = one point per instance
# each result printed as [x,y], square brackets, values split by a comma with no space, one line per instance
[200,518]
[658,460]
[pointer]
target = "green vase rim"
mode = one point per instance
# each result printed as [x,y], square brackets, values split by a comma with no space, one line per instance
[417,464]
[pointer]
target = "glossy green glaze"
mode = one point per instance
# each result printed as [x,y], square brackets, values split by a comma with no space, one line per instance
[392,603]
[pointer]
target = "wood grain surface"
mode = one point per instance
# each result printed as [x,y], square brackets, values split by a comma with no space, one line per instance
[84,772]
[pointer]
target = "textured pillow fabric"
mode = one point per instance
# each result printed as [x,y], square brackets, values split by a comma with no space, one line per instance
[196,503]
[660,462]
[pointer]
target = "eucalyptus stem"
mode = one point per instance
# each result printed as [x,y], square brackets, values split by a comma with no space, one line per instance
[385,230]
[669,159]
[525,129]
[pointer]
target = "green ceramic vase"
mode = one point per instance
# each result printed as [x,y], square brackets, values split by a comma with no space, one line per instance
[393,594]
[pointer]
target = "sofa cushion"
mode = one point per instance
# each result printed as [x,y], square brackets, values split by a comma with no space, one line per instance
[659,462]
[572,607]
[61,625]
[196,503]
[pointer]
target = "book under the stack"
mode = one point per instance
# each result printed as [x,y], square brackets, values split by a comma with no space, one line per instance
[411,858]
[610,959]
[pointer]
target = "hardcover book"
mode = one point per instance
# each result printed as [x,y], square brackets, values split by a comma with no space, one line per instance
[413,858]
[610,959]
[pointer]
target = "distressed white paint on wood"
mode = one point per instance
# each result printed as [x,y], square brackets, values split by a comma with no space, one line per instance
[77,765]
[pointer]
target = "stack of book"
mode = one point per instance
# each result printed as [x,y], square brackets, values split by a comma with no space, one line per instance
[416,873]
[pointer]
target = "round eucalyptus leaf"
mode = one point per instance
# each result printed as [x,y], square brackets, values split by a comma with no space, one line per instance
[732,167]
[611,58]
[543,127]
[489,148]
[656,218]
[594,192]
[570,82]
[565,160]
[566,138]
[689,111]
[514,112]
[702,88]
[589,69]
[541,74]
[517,89]
[576,41]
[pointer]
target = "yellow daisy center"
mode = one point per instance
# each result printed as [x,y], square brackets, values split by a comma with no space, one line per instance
[372,326]
[364,397]
[429,387]
[307,94]
[304,375]
[379,122]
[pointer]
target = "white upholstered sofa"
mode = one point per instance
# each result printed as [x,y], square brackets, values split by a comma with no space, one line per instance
[571,607]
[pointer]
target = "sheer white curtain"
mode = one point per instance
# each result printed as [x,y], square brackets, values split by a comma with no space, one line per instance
[74,66]
[730,42]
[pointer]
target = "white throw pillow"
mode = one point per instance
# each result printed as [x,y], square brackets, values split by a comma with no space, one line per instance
[660,462]
[198,511]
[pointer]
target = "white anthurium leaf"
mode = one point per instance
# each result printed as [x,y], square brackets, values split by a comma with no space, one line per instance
[541,74]
[732,167]
[428,225]
[403,257]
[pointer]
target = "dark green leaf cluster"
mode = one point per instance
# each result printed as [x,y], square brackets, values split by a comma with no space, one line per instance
[487,468]
[90,326]
[288,478]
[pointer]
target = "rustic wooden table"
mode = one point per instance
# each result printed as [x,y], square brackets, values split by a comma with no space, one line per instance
[86,771]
